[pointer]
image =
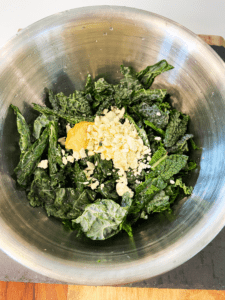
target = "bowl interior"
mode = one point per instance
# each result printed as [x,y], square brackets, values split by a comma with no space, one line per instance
[57,53]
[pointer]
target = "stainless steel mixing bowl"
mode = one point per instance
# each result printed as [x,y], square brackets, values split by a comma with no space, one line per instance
[57,52]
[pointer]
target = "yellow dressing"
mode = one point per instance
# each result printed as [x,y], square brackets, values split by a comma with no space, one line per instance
[77,136]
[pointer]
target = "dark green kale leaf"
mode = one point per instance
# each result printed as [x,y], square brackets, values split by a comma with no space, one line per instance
[78,104]
[62,101]
[176,128]
[133,179]
[80,178]
[158,157]
[191,165]
[141,132]
[187,190]
[53,99]
[153,114]
[173,192]
[194,146]
[23,130]
[148,96]
[89,85]
[107,190]
[168,167]
[103,94]
[130,80]
[41,122]
[54,150]
[68,118]
[164,167]
[181,146]
[125,224]
[145,192]
[31,158]
[122,96]
[147,76]
[40,190]
[103,166]
[159,130]
[91,195]
[102,219]
[69,203]
[159,203]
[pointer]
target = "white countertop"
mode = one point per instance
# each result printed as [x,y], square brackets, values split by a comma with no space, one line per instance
[200,16]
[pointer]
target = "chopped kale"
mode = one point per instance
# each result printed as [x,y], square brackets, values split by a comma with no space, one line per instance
[66,191]
[23,130]
[176,128]
[153,114]
[147,76]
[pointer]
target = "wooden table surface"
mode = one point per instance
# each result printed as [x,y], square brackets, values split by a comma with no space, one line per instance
[43,291]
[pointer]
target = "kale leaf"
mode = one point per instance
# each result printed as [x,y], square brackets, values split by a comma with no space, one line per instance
[142,133]
[40,190]
[31,158]
[23,130]
[153,114]
[103,94]
[41,122]
[176,128]
[80,178]
[102,219]
[107,190]
[187,190]
[158,130]
[181,145]
[130,80]
[159,203]
[168,167]
[67,117]
[147,76]
[69,203]
[148,96]
[54,150]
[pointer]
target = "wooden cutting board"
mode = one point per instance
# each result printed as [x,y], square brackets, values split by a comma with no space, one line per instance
[215,40]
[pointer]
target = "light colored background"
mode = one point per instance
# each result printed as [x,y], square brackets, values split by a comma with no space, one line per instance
[200,16]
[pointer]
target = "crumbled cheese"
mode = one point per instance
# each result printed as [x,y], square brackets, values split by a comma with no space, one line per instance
[63,152]
[68,127]
[76,155]
[70,158]
[122,188]
[158,113]
[94,185]
[157,138]
[89,170]
[82,153]
[43,164]
[119,142]
[102,185]
[64,160]
[172,181]
[62,141]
